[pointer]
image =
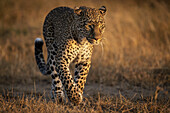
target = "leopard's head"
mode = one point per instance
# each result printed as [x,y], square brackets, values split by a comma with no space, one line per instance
[89,24]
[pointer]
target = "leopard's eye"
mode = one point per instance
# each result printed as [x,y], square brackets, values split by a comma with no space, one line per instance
[91,26]
[102,28]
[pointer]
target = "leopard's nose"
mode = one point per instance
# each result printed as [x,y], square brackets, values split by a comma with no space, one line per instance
[97,37]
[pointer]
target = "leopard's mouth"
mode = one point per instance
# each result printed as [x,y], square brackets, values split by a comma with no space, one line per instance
[94,41]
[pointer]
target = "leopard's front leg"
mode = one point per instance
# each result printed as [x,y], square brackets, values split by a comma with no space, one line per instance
[83,64]
[71,89]
[66,53]
[81,72]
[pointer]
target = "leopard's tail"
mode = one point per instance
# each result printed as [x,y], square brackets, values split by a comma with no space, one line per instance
[43,67]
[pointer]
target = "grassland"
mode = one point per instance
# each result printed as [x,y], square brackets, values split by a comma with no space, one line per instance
[132,74]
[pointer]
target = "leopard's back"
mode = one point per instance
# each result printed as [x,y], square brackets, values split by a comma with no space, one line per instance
[57,25]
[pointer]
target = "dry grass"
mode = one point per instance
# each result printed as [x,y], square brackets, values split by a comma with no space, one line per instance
[98,103]
[136,51]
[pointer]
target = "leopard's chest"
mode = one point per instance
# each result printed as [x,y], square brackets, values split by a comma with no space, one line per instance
[85,52]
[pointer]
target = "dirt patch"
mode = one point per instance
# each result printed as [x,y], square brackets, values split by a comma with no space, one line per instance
[91,90]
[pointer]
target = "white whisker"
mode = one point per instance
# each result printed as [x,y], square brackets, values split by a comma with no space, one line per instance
[102,49]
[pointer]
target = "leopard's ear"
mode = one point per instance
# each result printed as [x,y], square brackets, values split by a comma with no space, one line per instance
[102,10]
[77,10]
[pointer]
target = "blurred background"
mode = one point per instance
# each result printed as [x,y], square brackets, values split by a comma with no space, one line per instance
[136,44]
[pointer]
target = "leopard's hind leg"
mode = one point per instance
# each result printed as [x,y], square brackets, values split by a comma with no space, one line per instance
[57,90]
[48,69]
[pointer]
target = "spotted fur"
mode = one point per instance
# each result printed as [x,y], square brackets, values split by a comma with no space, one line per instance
[70,35]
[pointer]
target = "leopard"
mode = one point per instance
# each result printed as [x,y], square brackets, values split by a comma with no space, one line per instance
[70,35]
